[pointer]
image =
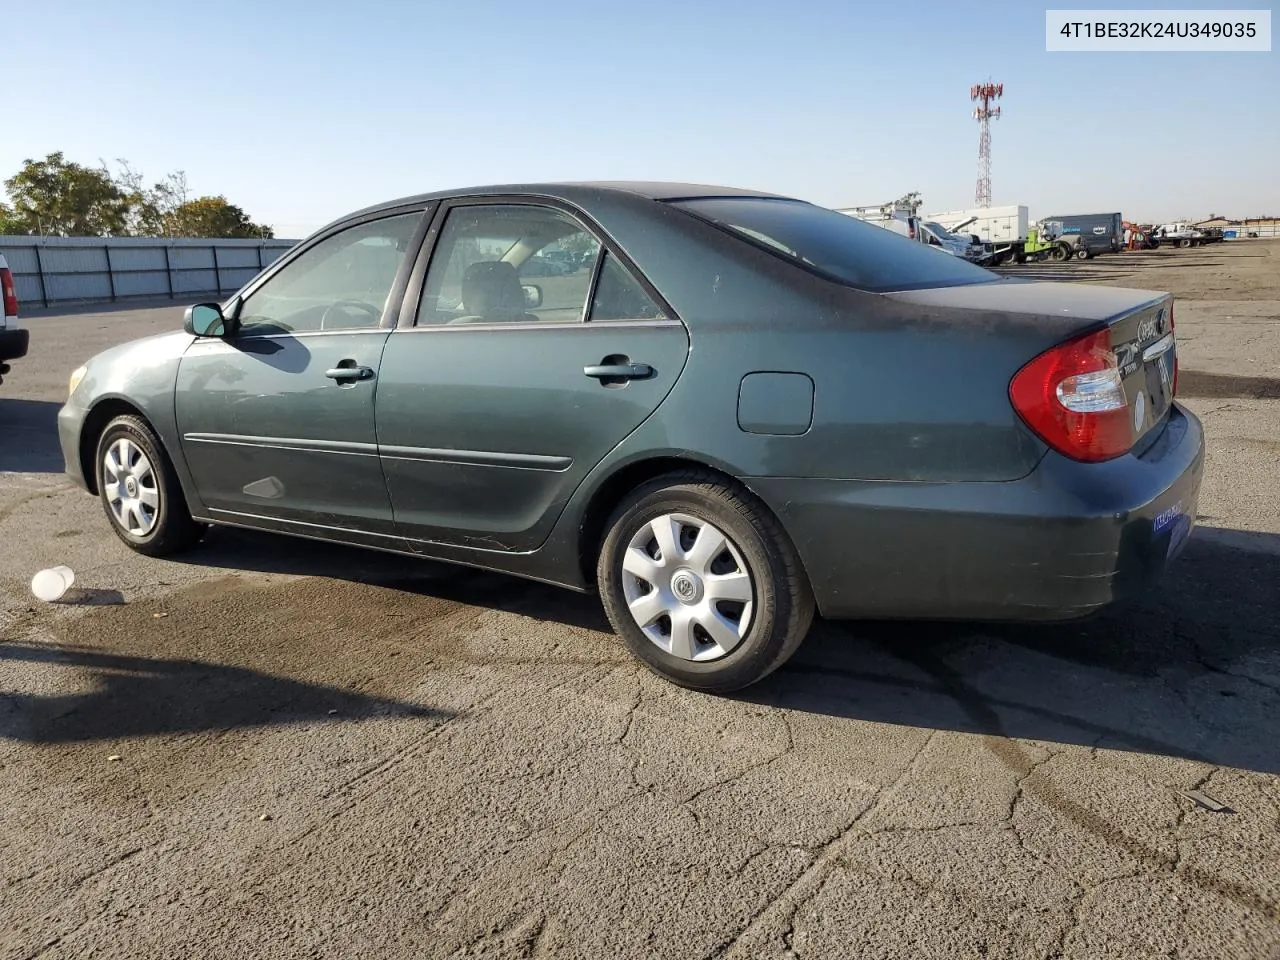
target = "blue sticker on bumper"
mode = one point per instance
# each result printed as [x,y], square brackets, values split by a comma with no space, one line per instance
[1176,523]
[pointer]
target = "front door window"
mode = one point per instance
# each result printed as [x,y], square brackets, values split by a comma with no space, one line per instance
[341,283]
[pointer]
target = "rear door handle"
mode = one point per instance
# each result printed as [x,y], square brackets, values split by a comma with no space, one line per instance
[618,371]
[350,373]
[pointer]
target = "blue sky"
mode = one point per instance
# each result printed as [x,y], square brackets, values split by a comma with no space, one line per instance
[300,112]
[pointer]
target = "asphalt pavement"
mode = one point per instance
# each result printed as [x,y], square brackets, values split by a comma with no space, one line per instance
[275,748]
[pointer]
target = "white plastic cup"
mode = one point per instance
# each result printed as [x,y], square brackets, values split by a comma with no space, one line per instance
[49,585]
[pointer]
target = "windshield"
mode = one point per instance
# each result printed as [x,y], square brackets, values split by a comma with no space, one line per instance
[836,245]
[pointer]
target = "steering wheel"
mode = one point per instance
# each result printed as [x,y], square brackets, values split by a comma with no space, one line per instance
[369,308]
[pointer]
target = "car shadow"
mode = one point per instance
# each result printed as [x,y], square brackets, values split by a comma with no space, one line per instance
[30,436]
[180,696]
[1192,670]
[237,549]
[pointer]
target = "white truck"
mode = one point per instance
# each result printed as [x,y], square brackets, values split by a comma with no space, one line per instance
[1004,228]
[1179,233]
[13,339]
[902,216]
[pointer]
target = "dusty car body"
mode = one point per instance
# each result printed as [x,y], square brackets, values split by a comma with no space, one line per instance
[747,411]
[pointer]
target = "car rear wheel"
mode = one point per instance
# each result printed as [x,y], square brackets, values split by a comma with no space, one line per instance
[702,584]
[140,491]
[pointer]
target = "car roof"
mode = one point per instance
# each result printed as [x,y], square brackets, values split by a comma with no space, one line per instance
[578,190]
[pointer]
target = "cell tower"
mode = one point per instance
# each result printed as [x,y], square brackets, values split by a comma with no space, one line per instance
[984,94]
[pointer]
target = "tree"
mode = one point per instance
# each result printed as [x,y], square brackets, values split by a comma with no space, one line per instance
[152,211]
[55,197]
[59,198]
[9,223]
[215,217]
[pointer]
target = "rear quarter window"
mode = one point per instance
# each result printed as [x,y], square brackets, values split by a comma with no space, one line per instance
[835,245]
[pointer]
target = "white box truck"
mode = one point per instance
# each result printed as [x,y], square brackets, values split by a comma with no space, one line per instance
[1005,228]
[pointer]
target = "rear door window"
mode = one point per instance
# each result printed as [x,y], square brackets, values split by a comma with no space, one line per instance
[508,263]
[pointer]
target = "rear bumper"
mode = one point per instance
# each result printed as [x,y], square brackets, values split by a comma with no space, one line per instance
[1063,542]
[13,344]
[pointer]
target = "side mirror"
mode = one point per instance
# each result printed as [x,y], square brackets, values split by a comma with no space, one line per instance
[205,320]
[532,295]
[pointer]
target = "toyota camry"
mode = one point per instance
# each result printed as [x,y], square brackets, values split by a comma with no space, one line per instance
[725,411]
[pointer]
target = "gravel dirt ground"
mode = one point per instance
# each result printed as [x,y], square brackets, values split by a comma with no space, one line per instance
[273,748]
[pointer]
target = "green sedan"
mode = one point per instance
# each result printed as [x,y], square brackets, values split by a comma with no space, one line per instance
[735,412]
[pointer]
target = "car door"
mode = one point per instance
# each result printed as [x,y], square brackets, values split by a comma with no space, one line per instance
[508,388]
[277,418]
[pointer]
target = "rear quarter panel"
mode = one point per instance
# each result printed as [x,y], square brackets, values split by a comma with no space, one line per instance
[902,391]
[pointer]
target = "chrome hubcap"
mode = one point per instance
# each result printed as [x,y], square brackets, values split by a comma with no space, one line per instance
[687,587]
[129,484]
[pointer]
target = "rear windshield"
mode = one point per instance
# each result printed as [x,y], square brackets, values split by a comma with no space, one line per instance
[836,245]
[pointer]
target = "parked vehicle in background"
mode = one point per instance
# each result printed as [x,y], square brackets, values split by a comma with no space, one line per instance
[543,266]
[1005,229]
[900,216]
[1045,242]
[752,410]
[568,262]
[13,339]
[1183,234]
[936,235]
[1099,232]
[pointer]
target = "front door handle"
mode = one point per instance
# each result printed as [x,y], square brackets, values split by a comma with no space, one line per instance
[618,371]
[350,373]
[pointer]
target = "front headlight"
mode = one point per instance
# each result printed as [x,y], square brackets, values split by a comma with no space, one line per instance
[76,376]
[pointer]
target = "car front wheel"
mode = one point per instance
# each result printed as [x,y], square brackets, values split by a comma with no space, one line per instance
[702,584]
[140,492]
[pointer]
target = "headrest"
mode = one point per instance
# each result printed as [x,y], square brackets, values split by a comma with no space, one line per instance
[491,289]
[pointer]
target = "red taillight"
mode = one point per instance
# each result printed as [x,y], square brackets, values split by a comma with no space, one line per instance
[10,295]
[1073,398]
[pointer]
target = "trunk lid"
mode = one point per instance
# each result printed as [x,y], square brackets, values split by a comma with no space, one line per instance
[1147,352]
[1140,323]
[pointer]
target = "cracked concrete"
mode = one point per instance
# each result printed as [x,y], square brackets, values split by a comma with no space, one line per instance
[324,752]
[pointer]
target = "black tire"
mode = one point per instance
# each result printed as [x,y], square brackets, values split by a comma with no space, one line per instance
[173,529]
[1083,253]
[1059,253]
[783,606]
